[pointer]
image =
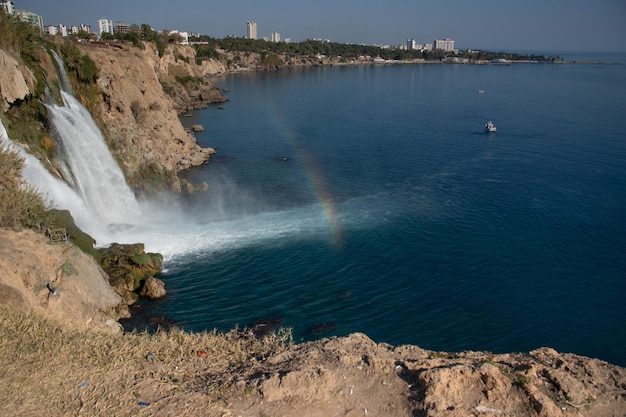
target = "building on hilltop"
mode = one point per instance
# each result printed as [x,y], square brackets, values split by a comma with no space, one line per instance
[275,37]
[105,26]
[183,37]
[8,6]
[32,18]
[120,27]
[445,44]
[251,30]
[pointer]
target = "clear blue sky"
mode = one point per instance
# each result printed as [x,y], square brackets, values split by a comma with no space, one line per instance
[536,25]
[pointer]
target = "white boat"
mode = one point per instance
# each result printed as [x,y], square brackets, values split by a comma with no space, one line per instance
[490,127]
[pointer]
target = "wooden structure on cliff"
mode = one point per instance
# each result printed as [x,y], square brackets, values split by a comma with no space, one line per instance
[58,235]
[8,220]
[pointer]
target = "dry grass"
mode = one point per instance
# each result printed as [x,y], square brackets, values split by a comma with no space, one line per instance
[47,370]
[18,199]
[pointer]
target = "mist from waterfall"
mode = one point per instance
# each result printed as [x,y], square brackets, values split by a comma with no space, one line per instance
[104,206]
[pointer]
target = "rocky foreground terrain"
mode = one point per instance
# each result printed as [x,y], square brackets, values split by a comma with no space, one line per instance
[185,375]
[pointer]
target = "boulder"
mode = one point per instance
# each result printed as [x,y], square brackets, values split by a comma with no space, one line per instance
[153,288]
[131,271]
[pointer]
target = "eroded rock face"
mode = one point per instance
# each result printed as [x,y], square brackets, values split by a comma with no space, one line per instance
[353,376]
[58,280]
[140,120]
[16,80]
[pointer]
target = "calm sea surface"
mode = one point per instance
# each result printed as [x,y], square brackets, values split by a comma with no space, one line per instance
[370,197]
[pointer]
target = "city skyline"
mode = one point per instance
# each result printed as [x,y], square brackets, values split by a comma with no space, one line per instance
[536,25]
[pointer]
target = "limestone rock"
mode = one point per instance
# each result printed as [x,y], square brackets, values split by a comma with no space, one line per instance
[139,118]
[16,80]
[153,288]
[57,279]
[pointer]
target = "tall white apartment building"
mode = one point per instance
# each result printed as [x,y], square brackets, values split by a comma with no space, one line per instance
[445,44]
[275,37]
[32,18]
[8,6]
[251,32]
[105,26]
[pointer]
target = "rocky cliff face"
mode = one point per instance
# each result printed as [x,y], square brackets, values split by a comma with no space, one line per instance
[16,80]
[139,119]
[353,376]
[140,96]
[58,280]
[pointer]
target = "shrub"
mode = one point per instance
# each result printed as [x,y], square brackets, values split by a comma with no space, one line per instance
[19,37]
[82,66]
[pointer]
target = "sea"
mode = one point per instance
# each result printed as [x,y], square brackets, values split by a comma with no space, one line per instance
[369,198]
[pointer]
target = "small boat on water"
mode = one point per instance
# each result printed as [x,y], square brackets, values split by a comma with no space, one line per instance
[490,127]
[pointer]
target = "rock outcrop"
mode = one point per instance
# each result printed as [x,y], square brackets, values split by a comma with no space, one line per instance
[16,80]
[58,280]
[131,271]
[186,79]
[354,376]
[139,119]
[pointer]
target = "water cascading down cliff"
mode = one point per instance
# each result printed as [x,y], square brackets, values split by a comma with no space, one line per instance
[97,196]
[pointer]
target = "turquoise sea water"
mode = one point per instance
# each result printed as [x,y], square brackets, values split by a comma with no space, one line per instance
[370,197]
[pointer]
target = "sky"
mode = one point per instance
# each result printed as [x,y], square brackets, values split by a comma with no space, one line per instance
[494,25]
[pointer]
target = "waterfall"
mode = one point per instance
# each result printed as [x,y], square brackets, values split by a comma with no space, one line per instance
[65,81]
[55,191]
[96,176]
[98,197]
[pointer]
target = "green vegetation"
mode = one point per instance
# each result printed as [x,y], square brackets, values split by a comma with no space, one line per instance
[19,37]
[80,65]
[314,48]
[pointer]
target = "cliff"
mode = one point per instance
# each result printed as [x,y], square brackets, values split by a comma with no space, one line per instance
[139,119]
[16,80]
[135,101]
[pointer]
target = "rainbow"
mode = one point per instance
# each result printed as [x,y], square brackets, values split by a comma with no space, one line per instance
[316,180]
